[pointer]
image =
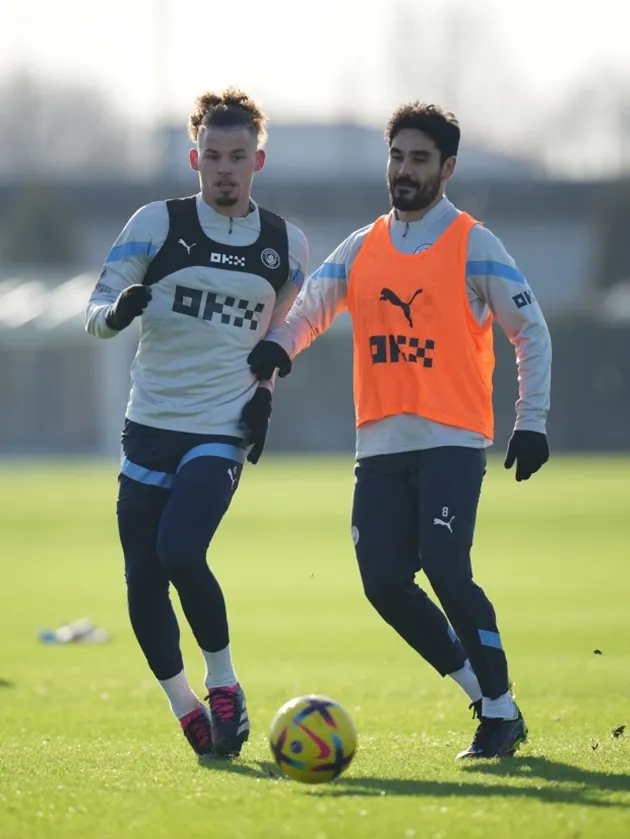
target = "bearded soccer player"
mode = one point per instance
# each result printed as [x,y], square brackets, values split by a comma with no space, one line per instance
[207,276]
[423,285]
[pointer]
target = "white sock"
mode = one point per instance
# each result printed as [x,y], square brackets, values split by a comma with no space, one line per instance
[467,680]
[180,695]
[504,707]
[219,670]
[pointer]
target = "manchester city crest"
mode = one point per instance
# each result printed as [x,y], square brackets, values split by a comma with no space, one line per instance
[270,258]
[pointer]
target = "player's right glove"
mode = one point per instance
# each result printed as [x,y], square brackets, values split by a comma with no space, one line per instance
[255,420]
[266,357]
[131,302]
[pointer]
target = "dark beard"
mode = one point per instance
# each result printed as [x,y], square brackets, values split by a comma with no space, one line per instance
[418,198]
[225,201]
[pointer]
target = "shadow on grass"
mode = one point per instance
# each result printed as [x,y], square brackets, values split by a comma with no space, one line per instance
[565,784]
[266,769]
[553,772]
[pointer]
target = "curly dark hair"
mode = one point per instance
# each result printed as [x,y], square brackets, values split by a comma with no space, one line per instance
[229,109]
[438,124]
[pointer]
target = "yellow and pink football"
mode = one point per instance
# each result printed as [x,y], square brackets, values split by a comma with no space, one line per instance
[313,739]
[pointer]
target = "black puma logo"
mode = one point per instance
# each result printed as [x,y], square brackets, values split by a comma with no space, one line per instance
[388,295]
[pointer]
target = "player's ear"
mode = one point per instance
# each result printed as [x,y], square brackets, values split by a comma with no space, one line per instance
[260,160]
[449,167]
[194,160]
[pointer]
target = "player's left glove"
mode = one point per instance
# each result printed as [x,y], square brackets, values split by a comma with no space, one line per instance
[266,357]
[529,450]
[255,420]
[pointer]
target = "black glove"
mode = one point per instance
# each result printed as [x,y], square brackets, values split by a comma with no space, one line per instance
[255,420]
[530,450]
[131,302]
[265,357]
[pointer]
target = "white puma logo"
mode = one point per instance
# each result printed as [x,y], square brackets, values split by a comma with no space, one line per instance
[184,245]
[445,523]
[233,476]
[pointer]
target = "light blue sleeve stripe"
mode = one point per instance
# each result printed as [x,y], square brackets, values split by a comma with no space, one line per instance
[119,252]
[488,268]
[146,476]
[330,271]
[490,639]
[297,278]
[224,450]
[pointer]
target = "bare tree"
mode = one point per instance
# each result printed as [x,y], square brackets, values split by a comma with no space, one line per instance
[53,128]
[589,133]
[454,53]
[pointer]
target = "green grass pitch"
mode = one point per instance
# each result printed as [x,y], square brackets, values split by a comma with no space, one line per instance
[89,749]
